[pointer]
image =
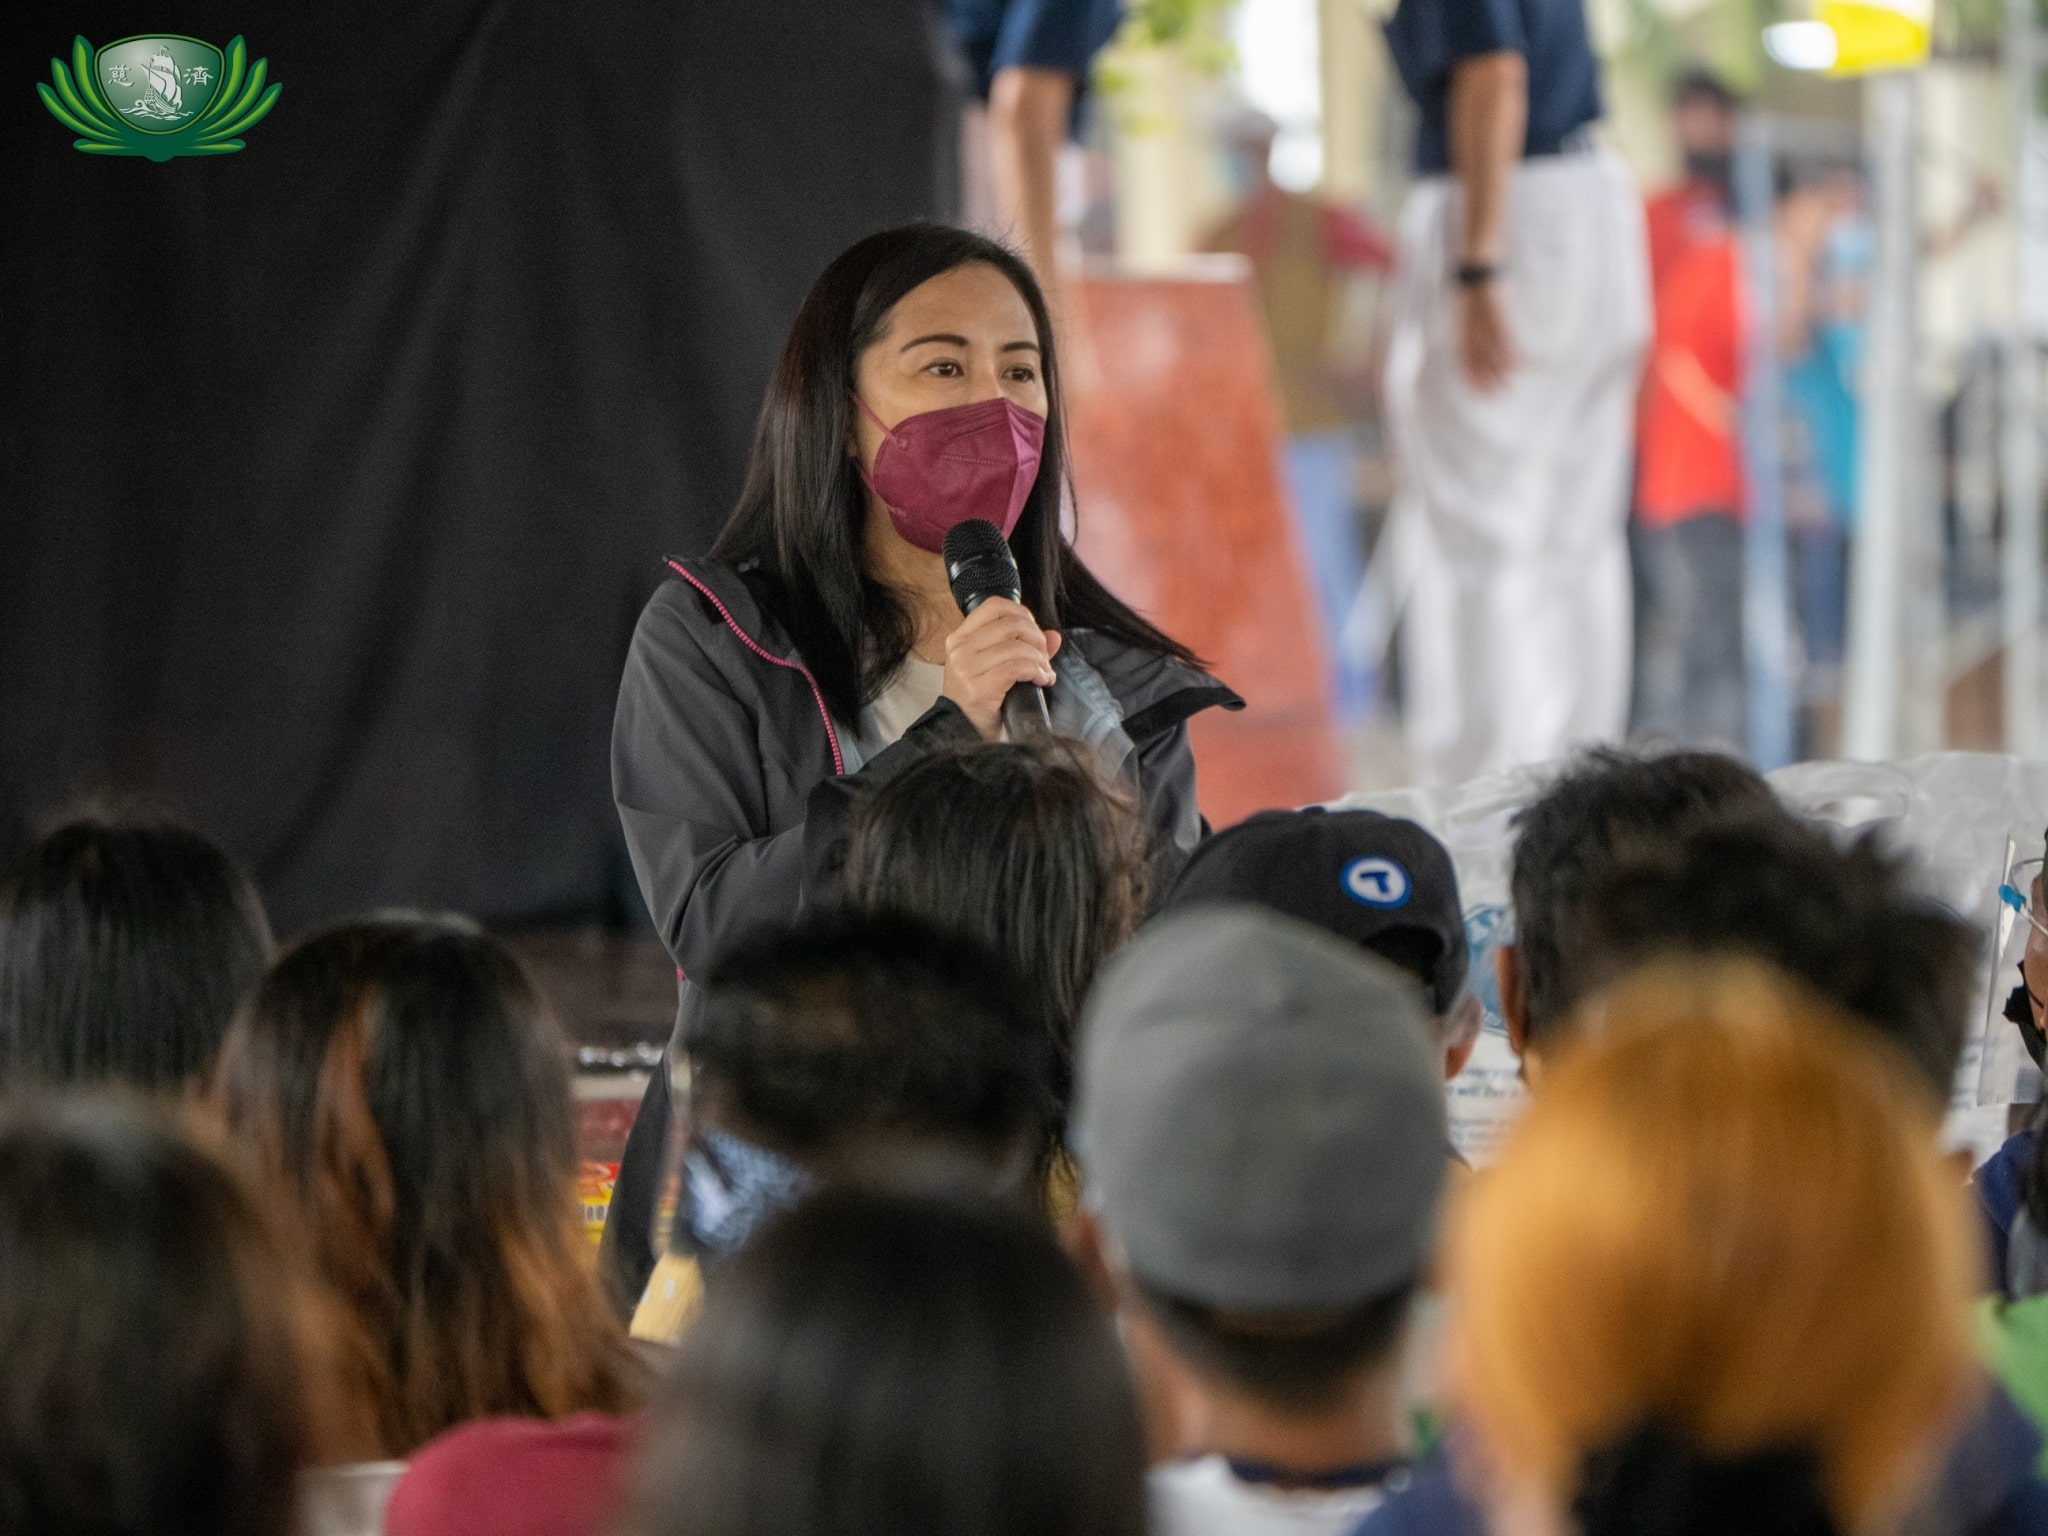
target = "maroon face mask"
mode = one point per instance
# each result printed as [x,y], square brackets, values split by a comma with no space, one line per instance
[941,468]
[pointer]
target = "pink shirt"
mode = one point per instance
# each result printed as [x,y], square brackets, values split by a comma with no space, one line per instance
[516,1477]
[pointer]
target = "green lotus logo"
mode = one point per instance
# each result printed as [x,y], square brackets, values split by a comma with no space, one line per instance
[158,96]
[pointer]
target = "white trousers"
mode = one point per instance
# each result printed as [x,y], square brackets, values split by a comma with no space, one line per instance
[1511,538]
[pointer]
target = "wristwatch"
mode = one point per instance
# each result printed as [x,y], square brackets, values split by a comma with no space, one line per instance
[1470,274]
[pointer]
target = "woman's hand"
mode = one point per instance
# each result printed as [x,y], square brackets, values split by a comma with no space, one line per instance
[996,647]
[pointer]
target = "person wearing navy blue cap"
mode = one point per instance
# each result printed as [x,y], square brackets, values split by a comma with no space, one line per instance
[1376,881]
[1521,320]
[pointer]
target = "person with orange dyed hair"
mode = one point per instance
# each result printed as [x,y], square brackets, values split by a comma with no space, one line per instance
[407,1094]
[1719,1279]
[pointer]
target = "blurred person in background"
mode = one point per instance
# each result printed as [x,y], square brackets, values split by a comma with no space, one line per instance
[1376,881]
[1520,319]
[1261,1130]
[2006,1186]
[1826,250]
[819,649]
[125,944]
[848,1048]
[1700,206]
[1028,63]
[887,1362]
[1606,802]
[1307,254]
[2012,1195]
[1790,1357]
[405,1093]
[1022,847]
[1691,671]
[1825,246]
[160,1372]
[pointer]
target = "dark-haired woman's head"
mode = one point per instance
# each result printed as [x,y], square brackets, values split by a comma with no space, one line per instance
[404,1086]
[886,1362]
[908,321]
[125,945]
[1021,846]
[153,1339]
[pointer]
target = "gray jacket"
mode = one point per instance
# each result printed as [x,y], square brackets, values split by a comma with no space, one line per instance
[733,782]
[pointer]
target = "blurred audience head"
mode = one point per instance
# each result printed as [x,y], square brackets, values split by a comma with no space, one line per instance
[1023,848]
[1703,110]
[404,1087]
[881,1361]
[1844,920]
[125,944]
[1245,137]
[153,1341]
[857,1047]
[1605,804]
[1261,1128]
[1376,881]
[1718,1279]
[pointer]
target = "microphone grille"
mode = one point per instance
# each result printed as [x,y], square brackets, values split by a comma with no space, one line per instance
[979,563]
[973,539]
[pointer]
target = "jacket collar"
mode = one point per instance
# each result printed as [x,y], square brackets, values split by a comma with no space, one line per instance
[1153,692]
[727,584]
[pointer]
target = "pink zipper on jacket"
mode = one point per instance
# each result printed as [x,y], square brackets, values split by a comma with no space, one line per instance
[817,693]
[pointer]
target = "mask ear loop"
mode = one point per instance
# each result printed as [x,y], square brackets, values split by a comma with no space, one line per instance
[868,412]
[859,468]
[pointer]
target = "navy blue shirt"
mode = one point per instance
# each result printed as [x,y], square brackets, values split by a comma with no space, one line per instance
[1427,37]
[1988,1486]
[1998,1184]
[1033,34]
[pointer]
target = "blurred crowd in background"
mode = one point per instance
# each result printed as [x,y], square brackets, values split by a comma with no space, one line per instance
[1275,130]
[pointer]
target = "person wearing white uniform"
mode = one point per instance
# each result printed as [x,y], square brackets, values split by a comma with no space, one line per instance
[1521,318]
[1260,1127]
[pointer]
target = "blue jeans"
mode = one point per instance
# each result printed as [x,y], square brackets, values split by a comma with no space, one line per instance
[1820,572]
[1320,470]
[1691,673]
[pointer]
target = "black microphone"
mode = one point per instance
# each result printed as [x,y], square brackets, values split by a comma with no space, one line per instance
[979,566]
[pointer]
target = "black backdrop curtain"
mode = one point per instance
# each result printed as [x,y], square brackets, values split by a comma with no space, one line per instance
[334,472]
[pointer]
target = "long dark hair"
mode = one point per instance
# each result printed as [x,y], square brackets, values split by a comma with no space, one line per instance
[890,1362]
[125,944]
[408,1094]
[1022,847]
[801,516]
[156,1351]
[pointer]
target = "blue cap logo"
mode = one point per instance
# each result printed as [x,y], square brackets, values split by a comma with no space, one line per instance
[1376,882]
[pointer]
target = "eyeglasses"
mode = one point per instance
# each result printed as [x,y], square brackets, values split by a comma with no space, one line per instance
[2017,892]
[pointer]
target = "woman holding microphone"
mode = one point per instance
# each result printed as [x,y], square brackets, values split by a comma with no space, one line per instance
[819,649]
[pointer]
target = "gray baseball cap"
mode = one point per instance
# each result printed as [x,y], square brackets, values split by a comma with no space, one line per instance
[1259,1117]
